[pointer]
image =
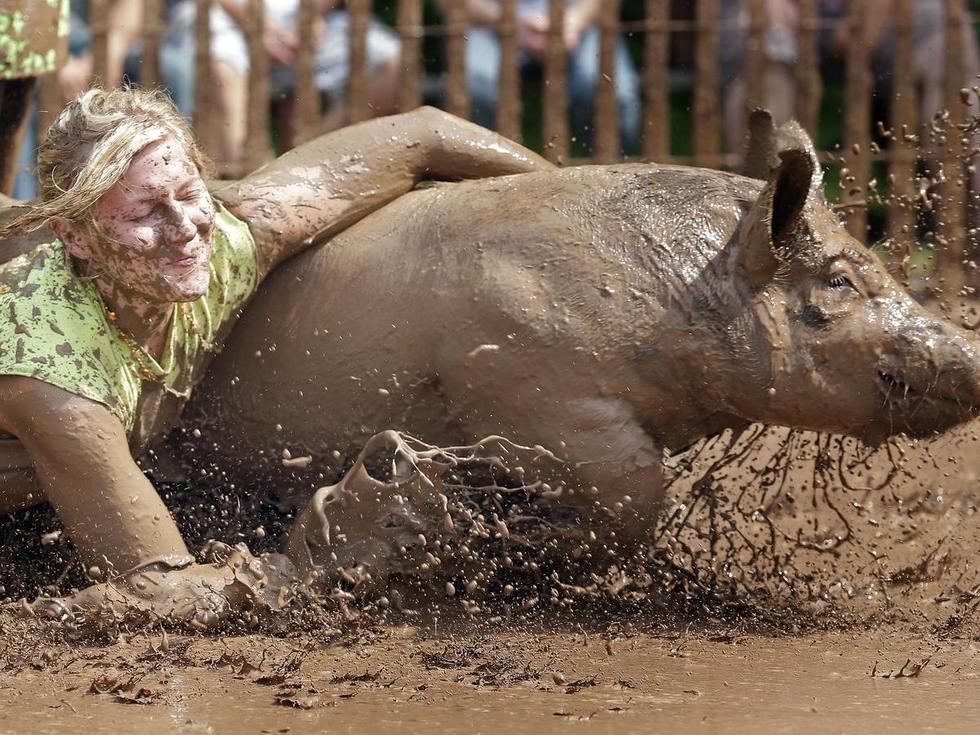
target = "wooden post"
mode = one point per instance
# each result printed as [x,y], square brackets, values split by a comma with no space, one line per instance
[152,31]
[99,26]
[953,191]
[307,97]
[49,104]
[555,111]
[457,95]
[357,83]
[756,59]
[656,82]
[203,101]
[809,87]
[707,113]
[606,108]
[509,99]
[904,114]
[257,123]
[857,121]
[411,32]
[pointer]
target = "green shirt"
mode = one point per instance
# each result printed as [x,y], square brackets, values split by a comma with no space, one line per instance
[55,327]
[33,37]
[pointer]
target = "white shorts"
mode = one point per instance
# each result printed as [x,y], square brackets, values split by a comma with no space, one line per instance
[228,44]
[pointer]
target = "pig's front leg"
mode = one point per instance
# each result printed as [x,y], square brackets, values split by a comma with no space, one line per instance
[613,467]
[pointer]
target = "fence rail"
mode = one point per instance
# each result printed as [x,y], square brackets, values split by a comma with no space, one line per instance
[656,33]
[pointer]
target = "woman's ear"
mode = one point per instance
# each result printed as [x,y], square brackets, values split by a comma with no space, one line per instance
[75,241]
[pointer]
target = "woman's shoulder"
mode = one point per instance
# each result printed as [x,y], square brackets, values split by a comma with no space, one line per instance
[53,328]
[234,261]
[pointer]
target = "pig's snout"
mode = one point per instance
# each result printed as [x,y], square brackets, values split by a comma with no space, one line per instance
[959,378]
[932,378]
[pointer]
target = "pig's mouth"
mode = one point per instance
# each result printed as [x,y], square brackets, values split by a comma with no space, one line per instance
[897,391]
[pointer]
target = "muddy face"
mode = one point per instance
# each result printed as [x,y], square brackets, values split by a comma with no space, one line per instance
[152,230]
[850,350]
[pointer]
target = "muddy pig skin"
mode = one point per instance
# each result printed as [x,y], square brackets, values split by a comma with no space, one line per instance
[605,312]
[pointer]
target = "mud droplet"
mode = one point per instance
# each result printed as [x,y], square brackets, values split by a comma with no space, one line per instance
[450,589]
[49,539]
[94,572]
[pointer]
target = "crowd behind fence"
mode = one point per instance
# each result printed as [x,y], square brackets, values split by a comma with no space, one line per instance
[655,29]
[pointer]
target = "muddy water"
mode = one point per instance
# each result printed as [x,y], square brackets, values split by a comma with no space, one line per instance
[524,683]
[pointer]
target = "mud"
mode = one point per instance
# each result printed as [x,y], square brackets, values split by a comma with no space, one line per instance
[818,598]
[618,680]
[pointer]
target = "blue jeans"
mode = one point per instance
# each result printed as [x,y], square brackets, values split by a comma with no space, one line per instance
[483,78]
[177,69]
[25,181]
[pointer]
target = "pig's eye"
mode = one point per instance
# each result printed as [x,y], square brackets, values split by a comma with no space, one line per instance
[840,281]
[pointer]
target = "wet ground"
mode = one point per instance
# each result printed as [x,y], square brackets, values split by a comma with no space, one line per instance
[504,681]
[817,599]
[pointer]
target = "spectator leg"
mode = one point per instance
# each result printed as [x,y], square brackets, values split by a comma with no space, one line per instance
[583,75]
[483,75]
[333,68]
[25,180]
[383,87]
[177,69]
[628,99]
[232,100]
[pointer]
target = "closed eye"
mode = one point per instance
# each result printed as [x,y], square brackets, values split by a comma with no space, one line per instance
[193,193]
[840,281]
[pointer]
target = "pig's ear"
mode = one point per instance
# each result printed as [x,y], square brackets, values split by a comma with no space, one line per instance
[774,222]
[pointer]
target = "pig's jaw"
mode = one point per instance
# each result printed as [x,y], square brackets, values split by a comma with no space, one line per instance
[920,413]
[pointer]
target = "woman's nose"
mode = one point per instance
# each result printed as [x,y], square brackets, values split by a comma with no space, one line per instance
[179,229]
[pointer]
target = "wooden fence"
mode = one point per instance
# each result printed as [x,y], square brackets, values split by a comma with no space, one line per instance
[658,29]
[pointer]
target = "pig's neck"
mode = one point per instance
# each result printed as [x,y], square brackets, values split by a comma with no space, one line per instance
[689,378]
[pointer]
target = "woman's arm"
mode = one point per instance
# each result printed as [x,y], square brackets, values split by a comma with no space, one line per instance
[319,188]
[113,514]
[82,462]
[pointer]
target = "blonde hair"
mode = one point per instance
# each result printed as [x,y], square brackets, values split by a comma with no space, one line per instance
[89,147]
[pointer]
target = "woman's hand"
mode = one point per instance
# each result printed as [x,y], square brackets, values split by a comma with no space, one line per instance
[177,590]
[532,31]
[280,44]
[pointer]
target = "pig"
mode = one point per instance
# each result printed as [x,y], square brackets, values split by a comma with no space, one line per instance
[608,313]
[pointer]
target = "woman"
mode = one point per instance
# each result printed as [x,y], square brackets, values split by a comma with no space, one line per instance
[105,331]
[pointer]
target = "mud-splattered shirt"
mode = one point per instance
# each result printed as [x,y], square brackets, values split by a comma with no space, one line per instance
[33,37]
[55,327]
